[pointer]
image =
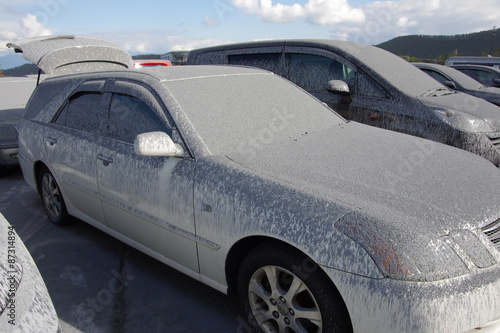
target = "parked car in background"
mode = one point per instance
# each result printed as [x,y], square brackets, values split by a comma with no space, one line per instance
[178,58]
[241,180]
[457,80]
[473,60]
[14,94]
[151,62]
[489,76]
[372,86]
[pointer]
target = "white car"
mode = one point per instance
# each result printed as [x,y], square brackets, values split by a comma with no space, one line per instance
[241,180]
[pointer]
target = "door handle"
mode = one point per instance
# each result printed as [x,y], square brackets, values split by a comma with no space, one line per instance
[51,141]
[105,160]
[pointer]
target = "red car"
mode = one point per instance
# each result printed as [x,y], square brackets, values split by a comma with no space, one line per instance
[151,62]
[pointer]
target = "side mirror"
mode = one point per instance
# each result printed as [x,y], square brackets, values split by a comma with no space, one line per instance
[338,87]
[156,144]
[450,84]
[341,88]
[496,83]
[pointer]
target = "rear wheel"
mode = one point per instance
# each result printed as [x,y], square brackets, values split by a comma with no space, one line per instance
[282,290]
[52,199]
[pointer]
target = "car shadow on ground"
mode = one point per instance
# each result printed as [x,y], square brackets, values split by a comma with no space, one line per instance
[99,284]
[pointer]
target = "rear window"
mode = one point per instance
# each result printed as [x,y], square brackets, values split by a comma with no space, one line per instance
[42,95]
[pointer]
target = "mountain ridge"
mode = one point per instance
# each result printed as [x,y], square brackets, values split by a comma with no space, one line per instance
[423,47]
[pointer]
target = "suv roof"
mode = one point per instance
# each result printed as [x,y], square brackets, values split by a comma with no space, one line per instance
[396,70]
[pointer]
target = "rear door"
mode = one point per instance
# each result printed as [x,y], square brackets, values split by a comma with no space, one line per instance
[267,58]
[71,141]
[147,199]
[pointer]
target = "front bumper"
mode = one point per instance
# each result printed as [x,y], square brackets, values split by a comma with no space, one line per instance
[9,156]
[458,305]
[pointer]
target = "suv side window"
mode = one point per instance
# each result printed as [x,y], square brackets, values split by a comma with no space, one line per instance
[129,116]
[83,111]
[313,72]
[267,61]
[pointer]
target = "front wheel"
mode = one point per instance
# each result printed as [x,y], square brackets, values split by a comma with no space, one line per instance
[282,290]
[52,199]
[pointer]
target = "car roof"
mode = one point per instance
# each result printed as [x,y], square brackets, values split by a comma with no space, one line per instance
[387,66]
[66,54]
[482,67]
[164,74]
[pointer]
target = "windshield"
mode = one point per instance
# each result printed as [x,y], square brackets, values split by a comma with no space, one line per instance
[399,73]
[232,111]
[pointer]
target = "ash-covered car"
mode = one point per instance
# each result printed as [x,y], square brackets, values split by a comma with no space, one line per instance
[459,81]
[151,62]
[241,180]
[372,86]
[25,303]
[487,75]
[14,94]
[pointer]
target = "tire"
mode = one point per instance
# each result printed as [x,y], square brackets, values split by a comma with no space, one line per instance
[282,290]
[52,199]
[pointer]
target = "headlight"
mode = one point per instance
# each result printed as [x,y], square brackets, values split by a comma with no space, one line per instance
[463,121]
[403,254]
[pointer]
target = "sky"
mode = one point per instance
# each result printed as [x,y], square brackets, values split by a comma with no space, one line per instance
[148,26]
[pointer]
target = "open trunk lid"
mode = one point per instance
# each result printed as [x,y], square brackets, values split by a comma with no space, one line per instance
[67,54]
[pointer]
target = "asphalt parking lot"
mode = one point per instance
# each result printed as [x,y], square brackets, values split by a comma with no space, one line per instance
[99,284]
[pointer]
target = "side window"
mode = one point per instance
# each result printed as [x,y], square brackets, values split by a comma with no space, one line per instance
[313,72]
[43,94]
[129,116]
[267,61]
[83,111]
[481,76]
[436,76]
[370,88]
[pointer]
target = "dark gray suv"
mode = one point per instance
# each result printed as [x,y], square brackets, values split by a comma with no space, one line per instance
[372,86]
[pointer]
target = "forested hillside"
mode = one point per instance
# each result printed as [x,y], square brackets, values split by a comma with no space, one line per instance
[441,47]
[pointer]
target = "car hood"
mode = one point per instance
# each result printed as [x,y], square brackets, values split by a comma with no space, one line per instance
[400,180]
[491,94]
[462,102]
[68,54]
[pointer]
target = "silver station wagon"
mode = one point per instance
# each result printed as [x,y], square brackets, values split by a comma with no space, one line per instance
[241,180]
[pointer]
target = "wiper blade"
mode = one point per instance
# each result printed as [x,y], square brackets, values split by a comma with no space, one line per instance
[439,92]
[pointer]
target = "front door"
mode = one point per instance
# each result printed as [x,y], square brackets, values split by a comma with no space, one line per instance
[312,69]
[147,199]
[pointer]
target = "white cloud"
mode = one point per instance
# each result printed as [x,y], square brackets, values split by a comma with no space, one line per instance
[27,27]
[209,21]
[156,42]
[32,28]
[331,12]
[320,12]
[388,19]
[378,21]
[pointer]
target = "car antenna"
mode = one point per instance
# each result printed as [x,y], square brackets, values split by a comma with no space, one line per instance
[39,74]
